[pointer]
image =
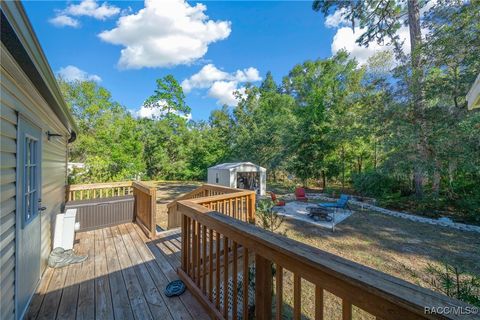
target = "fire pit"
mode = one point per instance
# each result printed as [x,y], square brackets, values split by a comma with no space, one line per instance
[318,213]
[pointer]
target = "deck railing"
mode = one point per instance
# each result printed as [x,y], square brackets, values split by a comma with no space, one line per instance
[98,190]
[144,205]
[214,196]
[238,270]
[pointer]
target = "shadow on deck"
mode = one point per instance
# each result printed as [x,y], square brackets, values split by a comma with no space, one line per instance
[123,278]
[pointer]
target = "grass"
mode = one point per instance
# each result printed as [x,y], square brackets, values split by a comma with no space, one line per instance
[396,246]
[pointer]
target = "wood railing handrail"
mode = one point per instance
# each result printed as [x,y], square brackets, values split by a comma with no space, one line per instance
[211,193]
[201,189]
[103,185]
[220,197]
[145,204]
[97,190]
[382,295]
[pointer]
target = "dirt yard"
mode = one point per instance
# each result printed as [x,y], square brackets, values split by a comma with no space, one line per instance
[166,193]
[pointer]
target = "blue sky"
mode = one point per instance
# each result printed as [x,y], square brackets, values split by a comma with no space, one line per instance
[239,41]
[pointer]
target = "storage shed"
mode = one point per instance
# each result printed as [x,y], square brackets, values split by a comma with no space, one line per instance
[242,175]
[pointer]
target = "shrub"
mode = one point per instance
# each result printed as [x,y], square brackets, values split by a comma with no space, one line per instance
[456,284]
[269,219]
[380,185]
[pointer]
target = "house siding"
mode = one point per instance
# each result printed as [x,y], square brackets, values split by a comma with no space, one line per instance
[19,96]
[8,122]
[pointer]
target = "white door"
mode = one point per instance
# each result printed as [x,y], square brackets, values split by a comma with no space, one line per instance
[28,218]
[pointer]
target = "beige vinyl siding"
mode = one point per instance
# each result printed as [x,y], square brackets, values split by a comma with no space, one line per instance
[8,121]
[18,95]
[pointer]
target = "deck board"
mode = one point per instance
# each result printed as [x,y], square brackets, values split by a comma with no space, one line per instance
[175,305]
[121,303]
[168,262]
[123,278]
[103,299]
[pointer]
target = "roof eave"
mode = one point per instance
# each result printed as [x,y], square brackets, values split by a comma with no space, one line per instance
[17,18]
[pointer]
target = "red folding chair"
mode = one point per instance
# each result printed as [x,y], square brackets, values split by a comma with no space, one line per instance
[278,203]
[300,195]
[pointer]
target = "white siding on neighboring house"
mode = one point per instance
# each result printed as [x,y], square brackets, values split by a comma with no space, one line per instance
[19,95]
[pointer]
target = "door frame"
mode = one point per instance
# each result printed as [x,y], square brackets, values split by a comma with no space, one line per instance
[19,221]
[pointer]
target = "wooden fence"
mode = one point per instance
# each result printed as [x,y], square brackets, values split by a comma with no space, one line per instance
[213,196]
[145,199]
[220,252]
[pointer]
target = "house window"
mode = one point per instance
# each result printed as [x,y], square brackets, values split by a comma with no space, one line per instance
[216,177]
[30,180]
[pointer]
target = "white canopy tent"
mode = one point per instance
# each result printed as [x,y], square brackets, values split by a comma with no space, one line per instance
[243,175]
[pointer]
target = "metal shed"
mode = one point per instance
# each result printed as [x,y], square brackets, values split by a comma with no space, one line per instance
[242,175]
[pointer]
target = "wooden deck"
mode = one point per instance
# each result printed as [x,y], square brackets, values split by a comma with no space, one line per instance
[123,278]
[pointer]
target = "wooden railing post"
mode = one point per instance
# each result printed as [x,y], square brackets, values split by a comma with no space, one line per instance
[153,211]
[251,208]
[184,242]
[145,207]
[263,288]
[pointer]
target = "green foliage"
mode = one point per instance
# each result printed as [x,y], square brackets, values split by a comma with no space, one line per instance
[108,142]
[452,282]
[269,219]
[379,185]
[168,97]
[329,122]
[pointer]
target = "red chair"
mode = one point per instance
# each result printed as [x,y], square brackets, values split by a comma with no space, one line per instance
[278,203]
[300,194]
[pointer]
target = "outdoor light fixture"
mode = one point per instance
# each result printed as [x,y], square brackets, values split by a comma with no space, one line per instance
[49,135]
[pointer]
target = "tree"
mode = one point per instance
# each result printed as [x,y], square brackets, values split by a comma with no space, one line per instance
[381,21]
[108,141]
[168,97]
[323,91]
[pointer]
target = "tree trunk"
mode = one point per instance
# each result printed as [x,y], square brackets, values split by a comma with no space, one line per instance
[343,168]
[324,180]
[436,178]
[452,167]
[417,92]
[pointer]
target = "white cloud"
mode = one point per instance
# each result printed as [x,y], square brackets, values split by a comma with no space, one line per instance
[345,38]
[153,113]
[64,21]
[165,33]
[223,91]
[221,85]
[88,8]
[204,78]
[336,19]
[72,73]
